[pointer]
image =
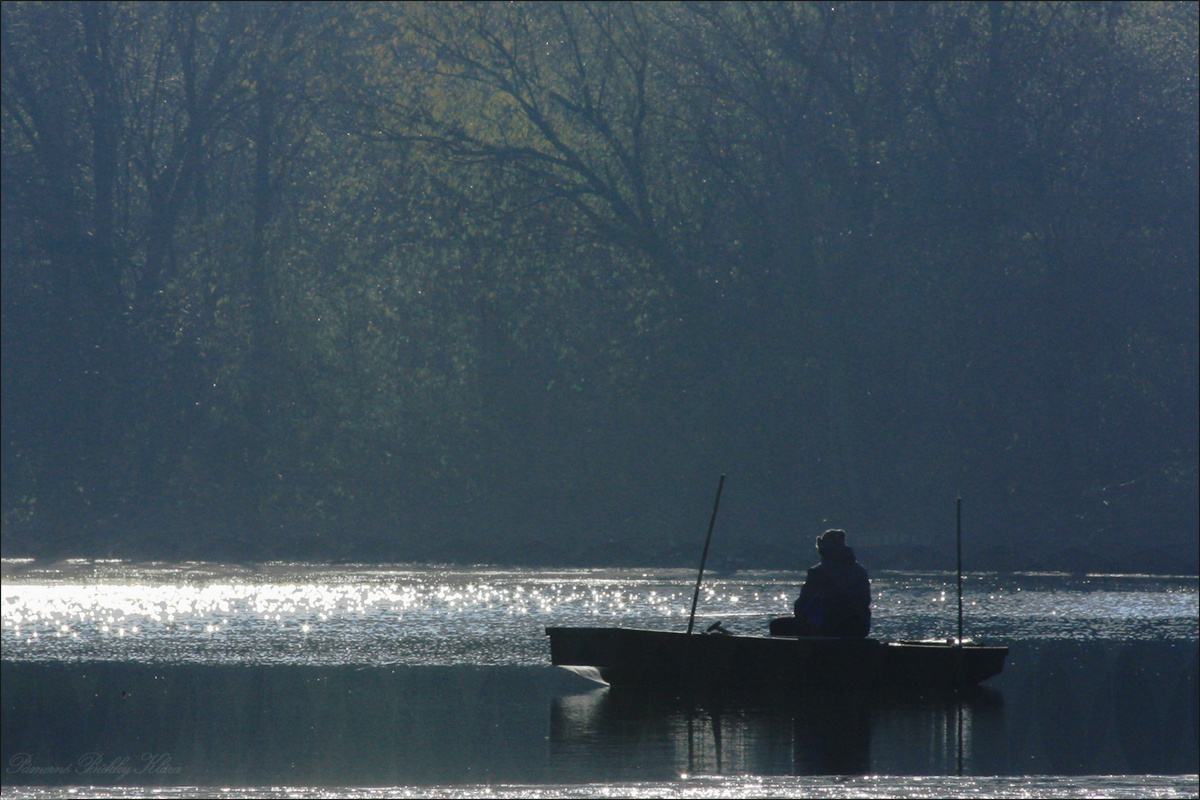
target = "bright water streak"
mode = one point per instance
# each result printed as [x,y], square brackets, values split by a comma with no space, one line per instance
[384,615]
[1140,786]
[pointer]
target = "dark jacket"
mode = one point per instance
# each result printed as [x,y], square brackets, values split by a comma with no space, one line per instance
[836,597]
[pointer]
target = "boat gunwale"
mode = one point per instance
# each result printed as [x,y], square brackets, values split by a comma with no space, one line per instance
[932,644]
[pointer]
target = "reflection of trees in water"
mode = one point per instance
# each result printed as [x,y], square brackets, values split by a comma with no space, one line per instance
[818,733]
[1127,707]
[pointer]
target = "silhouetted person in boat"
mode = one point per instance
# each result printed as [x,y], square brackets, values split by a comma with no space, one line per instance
[835,599]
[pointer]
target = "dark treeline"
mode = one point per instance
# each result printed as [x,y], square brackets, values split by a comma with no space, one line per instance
[516,282]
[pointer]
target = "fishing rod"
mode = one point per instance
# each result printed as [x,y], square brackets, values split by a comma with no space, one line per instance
[704,555]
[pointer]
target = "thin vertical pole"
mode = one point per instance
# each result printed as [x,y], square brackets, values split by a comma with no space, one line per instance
[704,555]
[958,689]
[958,536]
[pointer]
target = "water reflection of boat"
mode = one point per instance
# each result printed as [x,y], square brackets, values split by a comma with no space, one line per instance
[635,657]
[646,734]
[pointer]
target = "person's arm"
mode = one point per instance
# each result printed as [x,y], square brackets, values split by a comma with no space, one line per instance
[807,592]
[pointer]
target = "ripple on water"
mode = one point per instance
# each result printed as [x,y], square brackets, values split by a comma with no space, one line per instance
[398,614]
[1085,786]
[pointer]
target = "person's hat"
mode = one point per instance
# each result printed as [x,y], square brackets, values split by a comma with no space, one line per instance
[831,537]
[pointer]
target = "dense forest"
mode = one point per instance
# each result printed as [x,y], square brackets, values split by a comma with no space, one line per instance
[516,282]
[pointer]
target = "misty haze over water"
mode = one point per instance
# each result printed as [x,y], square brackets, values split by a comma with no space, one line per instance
[514,282]
[347,345]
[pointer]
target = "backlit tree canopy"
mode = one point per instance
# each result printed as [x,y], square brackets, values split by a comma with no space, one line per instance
[517,281]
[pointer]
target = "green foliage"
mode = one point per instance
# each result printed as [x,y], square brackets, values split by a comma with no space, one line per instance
[514,280]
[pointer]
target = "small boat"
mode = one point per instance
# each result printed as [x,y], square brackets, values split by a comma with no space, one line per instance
[719,659]
[639,657]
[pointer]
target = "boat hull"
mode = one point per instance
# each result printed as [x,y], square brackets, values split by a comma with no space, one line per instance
[638,657]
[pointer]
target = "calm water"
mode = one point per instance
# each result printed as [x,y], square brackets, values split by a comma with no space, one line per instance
[316,678]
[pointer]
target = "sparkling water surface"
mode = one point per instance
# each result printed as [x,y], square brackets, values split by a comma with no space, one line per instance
[1101,678]
[1147,786]
[371,615]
